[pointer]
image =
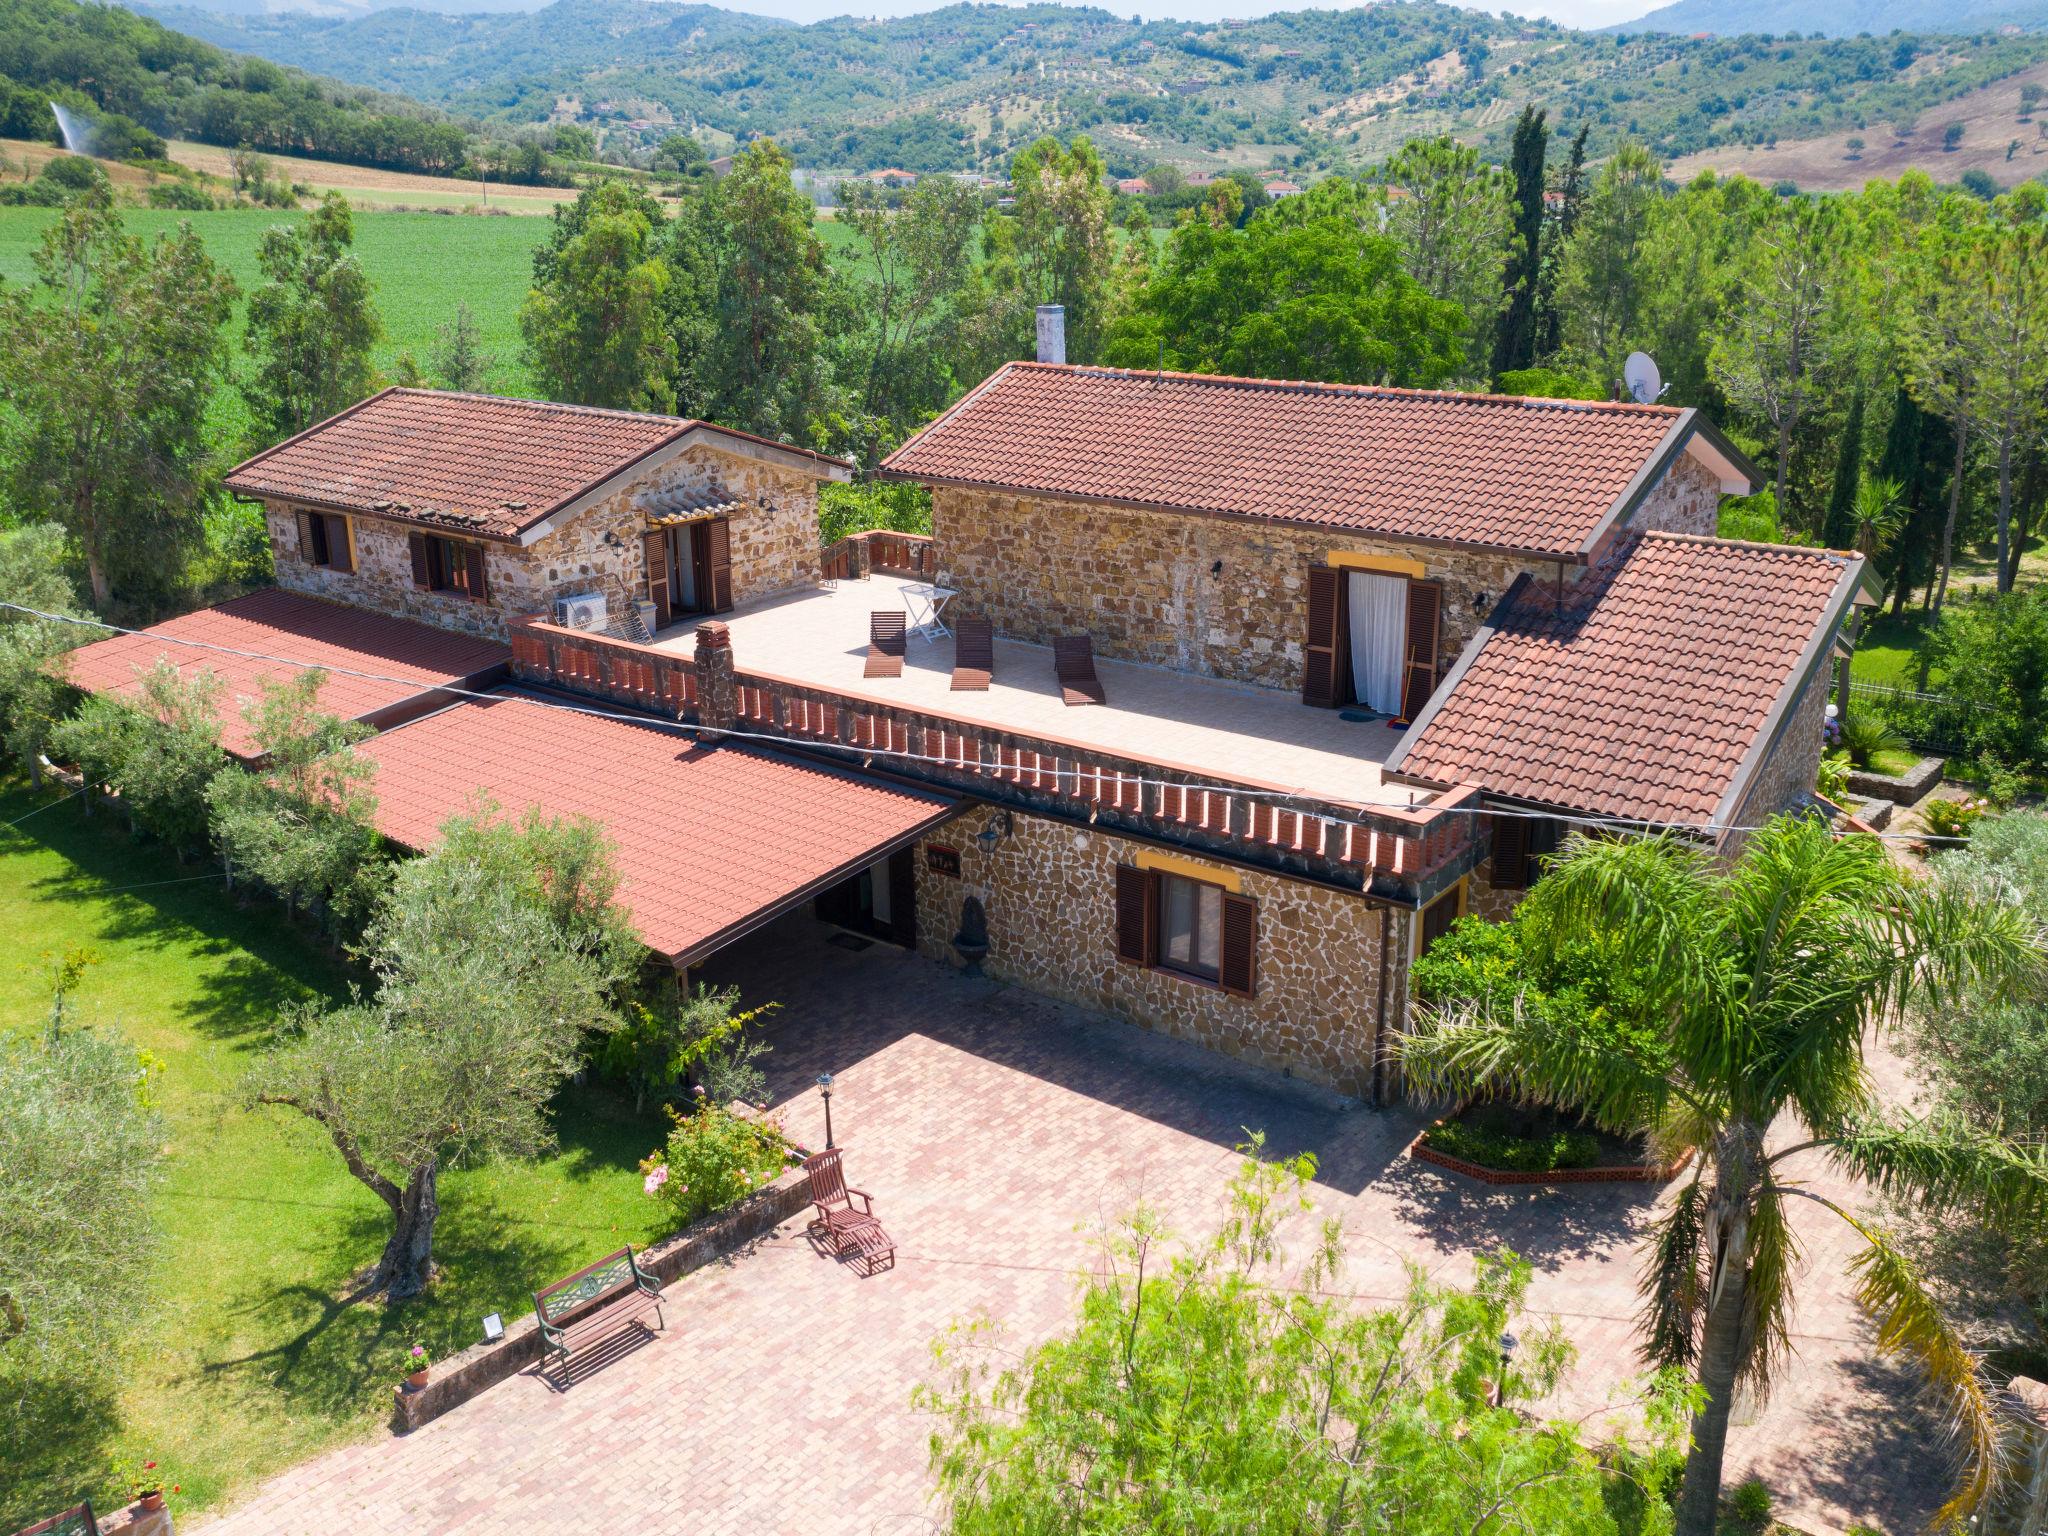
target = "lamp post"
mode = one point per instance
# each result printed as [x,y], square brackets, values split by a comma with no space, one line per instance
[825,1093]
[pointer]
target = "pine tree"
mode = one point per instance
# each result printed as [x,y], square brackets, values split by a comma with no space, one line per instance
[1515,341]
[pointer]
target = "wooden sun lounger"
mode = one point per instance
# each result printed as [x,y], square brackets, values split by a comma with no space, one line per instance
[838,1223]
[1073,662]
[885,644]
[974,659]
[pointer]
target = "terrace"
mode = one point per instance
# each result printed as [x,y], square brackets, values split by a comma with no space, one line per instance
[1257,737]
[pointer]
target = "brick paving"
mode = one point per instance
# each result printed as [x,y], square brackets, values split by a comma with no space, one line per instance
[994,1128]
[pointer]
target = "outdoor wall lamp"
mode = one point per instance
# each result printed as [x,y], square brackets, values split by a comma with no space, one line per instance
[990,836]
[1216,570]
[825,1093]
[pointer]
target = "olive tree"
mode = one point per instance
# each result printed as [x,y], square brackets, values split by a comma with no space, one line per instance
[160,750]
[494,956]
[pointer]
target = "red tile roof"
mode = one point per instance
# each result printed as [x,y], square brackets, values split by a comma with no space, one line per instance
[1644,695]
[1500,471]
[296,628]
[482,463]
[706,837]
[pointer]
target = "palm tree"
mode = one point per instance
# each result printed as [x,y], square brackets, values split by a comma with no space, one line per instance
[1761,980]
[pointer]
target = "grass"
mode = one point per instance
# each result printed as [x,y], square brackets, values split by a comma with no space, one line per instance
[421,266]
[246,1361]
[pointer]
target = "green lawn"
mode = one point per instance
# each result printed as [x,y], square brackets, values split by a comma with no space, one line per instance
[246,1361]
[421,264]
[1888,650]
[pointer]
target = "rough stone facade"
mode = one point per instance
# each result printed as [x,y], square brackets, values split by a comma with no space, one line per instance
[1686,500]
[1785,778]
[1223,597]
[1050,894]
[774,532]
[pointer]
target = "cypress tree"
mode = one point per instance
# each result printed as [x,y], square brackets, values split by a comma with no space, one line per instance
[1571,192]
[1515,343]
[1918,448]
[1838,530]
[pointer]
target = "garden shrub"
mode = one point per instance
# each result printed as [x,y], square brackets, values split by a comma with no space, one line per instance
[161,753]
[1950,818]
[1864,736]
[1491,1148]
[1751,1502]
[712,1159]
[671,1033]
[1990,651]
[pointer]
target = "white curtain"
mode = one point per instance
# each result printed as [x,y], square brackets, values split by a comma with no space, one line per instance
[1379,629]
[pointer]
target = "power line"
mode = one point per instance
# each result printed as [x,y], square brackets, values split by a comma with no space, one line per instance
[1571,819]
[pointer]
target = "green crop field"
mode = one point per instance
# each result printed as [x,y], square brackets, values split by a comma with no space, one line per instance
[422,266]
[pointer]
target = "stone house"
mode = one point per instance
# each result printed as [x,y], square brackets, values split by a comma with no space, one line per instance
[1364,655]
[467,511]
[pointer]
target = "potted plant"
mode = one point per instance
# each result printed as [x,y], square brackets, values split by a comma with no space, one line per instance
[145,1484]
[417,1360]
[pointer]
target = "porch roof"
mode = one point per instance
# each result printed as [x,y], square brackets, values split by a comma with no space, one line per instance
[409,659]
[710,841]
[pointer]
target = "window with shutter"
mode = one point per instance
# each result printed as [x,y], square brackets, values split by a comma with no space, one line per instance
[309,538]
[341,544]
[1134,889]
[718,557]
[1437,918]
[422,577]
[1319,680]
[474,584]
[1238,972]
[1510,852]
[654,552]
[1425,631]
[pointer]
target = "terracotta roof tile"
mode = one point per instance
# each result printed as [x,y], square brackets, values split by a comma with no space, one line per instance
[1472,469]
[294,627]
[480,463]
[1642,694]
[706,837]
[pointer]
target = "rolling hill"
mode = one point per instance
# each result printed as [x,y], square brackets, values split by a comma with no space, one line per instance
[1840,18]
[964,86]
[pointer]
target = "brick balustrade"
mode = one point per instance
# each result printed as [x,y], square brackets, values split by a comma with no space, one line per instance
[858,555]
[1399,852]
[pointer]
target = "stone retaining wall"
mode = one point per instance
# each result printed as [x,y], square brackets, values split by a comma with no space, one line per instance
[1050,894]
[457,1379]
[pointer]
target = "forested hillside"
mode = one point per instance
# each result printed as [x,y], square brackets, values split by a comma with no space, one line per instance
[121,70]
[967,85]
[1840,18]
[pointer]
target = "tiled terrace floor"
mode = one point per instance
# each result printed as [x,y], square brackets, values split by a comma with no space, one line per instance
[993,1127]
[1262,736]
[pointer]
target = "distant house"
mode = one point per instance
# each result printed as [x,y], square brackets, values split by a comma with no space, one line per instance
[1282,188]
[1202,178]
[1134,186]
[891,176]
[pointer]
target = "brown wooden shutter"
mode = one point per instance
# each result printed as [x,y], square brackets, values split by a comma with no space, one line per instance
[1510,853]
[1437,918]
[718,542]
[341,549]
[1238,970]
[903,896]
[1325,604]
[654,550]
[1425,627]
[417,542]
[479,590]
[1134,906]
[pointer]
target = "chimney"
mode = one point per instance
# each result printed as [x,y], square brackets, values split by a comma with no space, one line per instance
[1052,333]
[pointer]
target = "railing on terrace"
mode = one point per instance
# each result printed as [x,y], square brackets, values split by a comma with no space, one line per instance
[1388,846]
[879,549]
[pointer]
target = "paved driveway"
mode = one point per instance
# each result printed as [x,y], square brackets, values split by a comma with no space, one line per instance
[994,1128]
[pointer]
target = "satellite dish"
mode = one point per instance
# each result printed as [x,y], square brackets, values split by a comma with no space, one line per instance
[1644,382]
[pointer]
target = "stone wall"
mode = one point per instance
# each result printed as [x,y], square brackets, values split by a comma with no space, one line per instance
[774,548]
[1050,894]
[1686,500]
[1785,779]
[1224,597]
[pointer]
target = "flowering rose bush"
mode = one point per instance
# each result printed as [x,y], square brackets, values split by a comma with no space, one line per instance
[712,1159]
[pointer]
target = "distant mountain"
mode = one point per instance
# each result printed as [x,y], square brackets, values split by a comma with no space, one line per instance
[1840,18]
[344,9]
[965,86]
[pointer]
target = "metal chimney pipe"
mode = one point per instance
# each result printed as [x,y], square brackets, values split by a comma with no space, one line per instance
[1052,333]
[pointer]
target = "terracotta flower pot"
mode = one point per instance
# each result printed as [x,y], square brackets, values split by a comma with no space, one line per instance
[151,1501]
[416,1380]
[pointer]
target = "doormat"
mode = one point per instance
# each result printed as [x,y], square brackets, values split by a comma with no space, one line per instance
[852,941]
[1359,716]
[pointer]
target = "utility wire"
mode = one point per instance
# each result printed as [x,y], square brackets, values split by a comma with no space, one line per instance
[1592,822]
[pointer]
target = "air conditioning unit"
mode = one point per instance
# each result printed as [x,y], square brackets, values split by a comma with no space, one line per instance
[583,611]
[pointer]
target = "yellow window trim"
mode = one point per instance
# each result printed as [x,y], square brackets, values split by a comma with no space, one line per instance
[1393,565]
[1193,869]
